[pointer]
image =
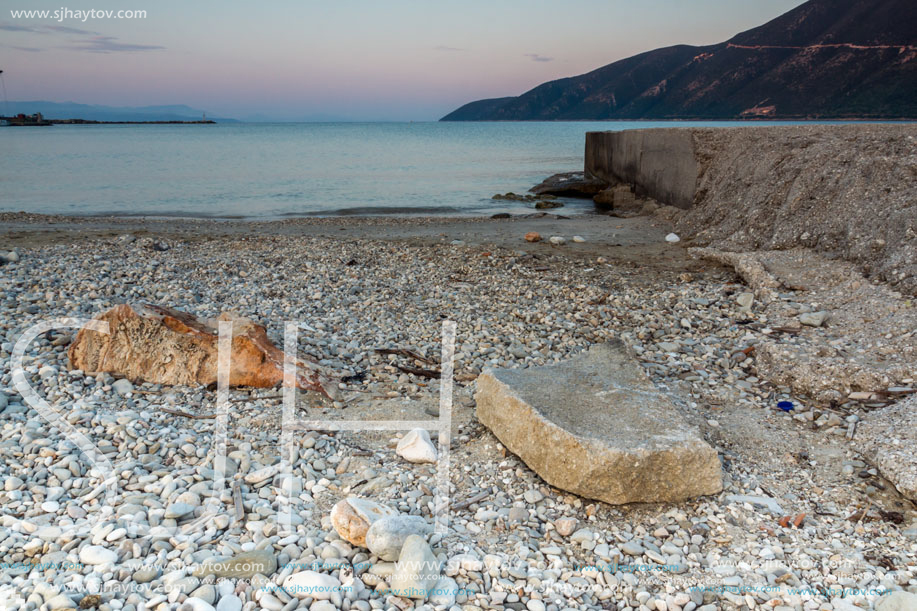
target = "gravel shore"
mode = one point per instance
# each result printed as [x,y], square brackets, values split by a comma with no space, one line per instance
[357,285]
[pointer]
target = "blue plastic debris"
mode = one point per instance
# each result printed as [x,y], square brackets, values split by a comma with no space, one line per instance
[786,406]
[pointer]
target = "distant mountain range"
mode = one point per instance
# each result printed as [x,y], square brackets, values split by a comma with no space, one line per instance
[825,59]
[93,112]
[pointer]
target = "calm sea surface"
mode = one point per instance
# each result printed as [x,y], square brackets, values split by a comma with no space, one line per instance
[264,171]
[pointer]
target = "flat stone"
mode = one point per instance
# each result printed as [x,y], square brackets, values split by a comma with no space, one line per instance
[96,554]
[178,510]
[311,584]
[745,300]
[240,566]
[596,426]
[897,601]
[813,319]
[386,536]
[145,575]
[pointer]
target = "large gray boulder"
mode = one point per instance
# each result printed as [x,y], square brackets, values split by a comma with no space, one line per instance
[596,426]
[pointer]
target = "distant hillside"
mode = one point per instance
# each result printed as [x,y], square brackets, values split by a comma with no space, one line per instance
[823,59]
[72,110]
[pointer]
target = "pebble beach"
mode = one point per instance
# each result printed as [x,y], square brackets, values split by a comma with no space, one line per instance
[803,523]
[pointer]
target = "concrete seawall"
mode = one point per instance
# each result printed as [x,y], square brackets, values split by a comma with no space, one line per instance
[849,191]
[659,163]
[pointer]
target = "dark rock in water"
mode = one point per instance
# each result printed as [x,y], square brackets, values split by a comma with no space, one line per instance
[548,204]
[501,215]
[514,197]
[570,184]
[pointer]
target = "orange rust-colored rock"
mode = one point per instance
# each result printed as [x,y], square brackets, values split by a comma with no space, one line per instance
[166,346]
[533,236]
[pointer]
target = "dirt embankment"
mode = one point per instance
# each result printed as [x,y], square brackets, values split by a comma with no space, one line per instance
[849,191]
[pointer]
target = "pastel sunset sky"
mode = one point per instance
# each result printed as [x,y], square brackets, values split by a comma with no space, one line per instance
[349,59]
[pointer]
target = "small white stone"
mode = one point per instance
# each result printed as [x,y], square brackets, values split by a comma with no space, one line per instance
[229,602]
[197,604]
[311,584]
[416,447]
[96,554]
[672,238]
[579,239]
[557,240]
[50,506]
[123,386]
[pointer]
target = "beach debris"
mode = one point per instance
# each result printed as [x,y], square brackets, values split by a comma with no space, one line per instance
[813,319]
[796,520]
[760,501]
[579,239]
[416,447]
[417,570]
[786,406]
[352,517]
[406,352]
[386,536]
[162,345]
[672,238]
[557,240]
[603,431]
[533,236]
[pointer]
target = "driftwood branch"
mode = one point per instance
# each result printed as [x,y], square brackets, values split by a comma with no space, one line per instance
[176,412]
[424,373]
[471,501]
[411,354]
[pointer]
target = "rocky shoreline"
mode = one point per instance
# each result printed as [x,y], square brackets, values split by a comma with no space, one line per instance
[805,521]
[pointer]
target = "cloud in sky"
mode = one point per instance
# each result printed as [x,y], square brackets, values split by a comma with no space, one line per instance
[94,43]
[9,27]
[539,58]
[109,44]
[46,29]
[67,30]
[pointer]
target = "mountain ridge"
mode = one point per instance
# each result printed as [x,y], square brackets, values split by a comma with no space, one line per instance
[825,59]
[100,112]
